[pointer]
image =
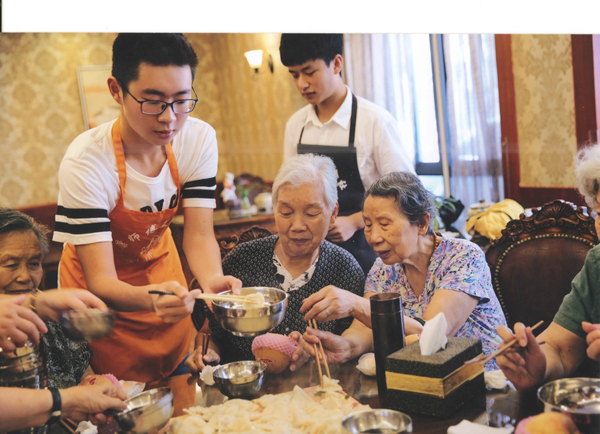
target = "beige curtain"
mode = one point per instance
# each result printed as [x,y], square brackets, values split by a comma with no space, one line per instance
[377,67]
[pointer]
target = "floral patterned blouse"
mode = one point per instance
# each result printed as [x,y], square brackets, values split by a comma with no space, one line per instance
[457,265]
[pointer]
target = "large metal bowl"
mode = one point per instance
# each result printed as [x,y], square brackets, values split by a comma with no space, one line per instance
[87,324]
[146,412]
[240,379]
[577,397]
[250,322]
[377,421]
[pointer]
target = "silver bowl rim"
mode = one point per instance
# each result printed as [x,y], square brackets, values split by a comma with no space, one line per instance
[558,383]
[223,310]
[262,365]
[164,391]
[405,417]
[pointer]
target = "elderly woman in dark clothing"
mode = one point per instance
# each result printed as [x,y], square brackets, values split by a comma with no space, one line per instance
[297,260]
[23,244]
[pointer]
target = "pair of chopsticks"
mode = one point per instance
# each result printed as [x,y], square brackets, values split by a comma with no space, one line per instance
[484,359]
[312,323]
[70,426]
[204,341]
[203,296]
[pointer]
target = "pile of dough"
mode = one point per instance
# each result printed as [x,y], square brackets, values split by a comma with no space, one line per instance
[298,412]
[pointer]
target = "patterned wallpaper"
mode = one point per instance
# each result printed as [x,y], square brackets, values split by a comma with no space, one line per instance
[543,72]
[40,106]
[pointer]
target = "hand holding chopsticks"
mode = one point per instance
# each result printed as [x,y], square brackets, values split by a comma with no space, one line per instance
[509,344]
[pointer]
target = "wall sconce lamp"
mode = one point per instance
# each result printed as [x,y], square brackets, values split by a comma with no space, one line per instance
[255,60]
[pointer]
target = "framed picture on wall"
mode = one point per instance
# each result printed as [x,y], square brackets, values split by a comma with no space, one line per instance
[96,101]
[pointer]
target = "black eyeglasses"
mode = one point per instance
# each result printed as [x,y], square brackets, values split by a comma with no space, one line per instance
[181,106]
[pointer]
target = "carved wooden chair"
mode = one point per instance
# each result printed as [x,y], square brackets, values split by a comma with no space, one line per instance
[537,257]
[254,233]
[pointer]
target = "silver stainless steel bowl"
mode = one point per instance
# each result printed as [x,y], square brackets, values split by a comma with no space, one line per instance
[577,397]
[87,324]
[146,412]
[240,379]
[377,421]
[250,322]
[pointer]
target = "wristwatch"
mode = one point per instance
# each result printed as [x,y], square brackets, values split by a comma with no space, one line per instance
[420,320]
[55,413]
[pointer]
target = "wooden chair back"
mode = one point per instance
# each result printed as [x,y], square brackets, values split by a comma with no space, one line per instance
[537,257]
[254,233]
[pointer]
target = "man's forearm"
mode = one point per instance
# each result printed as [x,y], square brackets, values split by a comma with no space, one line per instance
[204,258]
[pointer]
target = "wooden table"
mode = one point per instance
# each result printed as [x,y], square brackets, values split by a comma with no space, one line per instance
[496,409]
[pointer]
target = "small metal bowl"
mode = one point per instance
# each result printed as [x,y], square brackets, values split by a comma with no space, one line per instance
[577,397]
[377,421]
[146,412]
[250,322]
[87,324]
[240,379]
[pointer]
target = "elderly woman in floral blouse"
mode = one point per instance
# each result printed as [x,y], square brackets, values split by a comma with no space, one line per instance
[433,274]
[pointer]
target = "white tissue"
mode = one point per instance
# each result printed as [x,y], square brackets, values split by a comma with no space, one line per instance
[466,427]
[433,336]
[132,388]
[207,374]
[86,427]
[495,379]
[366,364]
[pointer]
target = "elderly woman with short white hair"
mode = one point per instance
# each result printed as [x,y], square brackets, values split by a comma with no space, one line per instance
[297,259]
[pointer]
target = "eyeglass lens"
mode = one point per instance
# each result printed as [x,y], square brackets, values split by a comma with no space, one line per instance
[157,107]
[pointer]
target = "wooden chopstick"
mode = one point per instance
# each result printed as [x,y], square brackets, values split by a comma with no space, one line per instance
[484,359]
[321,347]
[69,425]
[205,296]
[318,364]
[221,297]
[205,342]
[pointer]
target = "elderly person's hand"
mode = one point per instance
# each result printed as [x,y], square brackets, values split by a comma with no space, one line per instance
[301,355]
[344,227]
[89,402]
[197,361]
[49,304]
[173,308]
[592,339]
[18,324]
[332,303]
[525,365]
[337,348]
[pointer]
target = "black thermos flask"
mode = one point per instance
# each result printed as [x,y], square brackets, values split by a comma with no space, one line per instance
[387,323]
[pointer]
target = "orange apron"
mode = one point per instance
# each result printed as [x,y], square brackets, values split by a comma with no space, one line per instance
[141,347]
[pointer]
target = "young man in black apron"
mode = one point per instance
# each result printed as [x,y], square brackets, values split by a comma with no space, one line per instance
[362,138]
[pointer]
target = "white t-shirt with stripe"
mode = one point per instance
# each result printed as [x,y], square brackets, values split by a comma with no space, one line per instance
[89,181]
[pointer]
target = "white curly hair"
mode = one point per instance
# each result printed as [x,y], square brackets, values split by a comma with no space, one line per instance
[587,173]
[309,169]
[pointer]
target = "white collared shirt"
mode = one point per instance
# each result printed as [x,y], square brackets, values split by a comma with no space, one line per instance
[379,149]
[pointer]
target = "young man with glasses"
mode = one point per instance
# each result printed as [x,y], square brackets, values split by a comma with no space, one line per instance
[120,184]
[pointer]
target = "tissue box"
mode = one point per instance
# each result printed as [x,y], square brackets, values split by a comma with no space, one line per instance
[435,385]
